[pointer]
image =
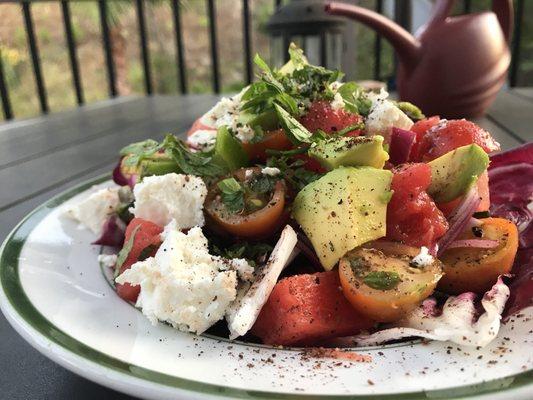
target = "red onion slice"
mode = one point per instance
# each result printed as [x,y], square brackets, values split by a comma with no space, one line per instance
[460,218]
[113,233]
[400,145]
[522,154]
[474,243]
[120,179]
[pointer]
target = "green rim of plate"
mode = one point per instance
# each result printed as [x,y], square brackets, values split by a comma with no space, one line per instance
[19,301]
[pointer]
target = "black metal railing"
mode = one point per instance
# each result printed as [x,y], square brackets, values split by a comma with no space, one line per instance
[401,14]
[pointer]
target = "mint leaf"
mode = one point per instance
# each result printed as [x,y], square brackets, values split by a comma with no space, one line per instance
[296,132]
[355,99]
[231,194]
[134,153]
[297,56]
[125,251]
[382,280]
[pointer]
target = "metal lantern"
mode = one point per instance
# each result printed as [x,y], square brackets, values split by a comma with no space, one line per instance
[306,23]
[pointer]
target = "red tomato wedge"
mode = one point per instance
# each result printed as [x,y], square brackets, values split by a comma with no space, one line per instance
[273,140]
[305,309]
[449,135]
[322,116]
[146,236]
[412,216]
[198,125]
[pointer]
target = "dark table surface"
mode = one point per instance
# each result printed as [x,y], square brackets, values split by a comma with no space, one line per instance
[43,156]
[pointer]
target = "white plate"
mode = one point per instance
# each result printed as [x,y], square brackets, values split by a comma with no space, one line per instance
[55,295]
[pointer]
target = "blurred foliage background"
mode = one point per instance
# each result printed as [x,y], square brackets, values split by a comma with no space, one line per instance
[124,34]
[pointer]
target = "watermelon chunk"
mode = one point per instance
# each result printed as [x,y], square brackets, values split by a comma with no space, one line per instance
[306,309]
[147,239]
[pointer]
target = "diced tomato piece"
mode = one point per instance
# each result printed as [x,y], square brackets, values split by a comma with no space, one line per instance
[420,128]
[274,140]
[483,190]
[148,235]
[311,164]
[322,116]
[412,216]
[305,309]
[452,134]
[198,125]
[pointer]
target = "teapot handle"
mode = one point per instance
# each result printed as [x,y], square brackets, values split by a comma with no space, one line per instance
[502,8]
[504,11]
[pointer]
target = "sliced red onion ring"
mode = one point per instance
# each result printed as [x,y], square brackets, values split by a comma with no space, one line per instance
[120,179]
[400,145]
[460,218]
[113,233]
[474,243]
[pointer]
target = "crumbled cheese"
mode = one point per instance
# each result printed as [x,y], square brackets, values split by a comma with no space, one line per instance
[203,139]
[423,259]
[248,174]
[270,171]
[335,86]
[183,284]
[93,211]
[226,113]
[160,199]
[338,102]
[107,260]
[384,115]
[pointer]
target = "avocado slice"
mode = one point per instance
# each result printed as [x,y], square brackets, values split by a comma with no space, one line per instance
[342,210]
[350,151]
[228,151]
[454,172]
[267,120]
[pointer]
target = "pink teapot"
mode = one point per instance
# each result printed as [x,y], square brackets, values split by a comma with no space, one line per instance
[455,66]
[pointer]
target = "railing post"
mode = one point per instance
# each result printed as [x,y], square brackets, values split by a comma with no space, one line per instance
[180,56]
[211,11]
[34,53]
[72,54]
[377,45]
[102,7]
[145,55]
[247,41]
[4,94]
[517,38]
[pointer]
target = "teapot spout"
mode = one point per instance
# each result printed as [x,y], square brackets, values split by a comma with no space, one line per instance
[406,45]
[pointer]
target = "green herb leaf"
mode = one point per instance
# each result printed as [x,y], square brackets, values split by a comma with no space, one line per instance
[254,253]
[125,251]
[295,131]
[232,194]
[297,57]
[382,280]
[134,153]
[262,184]
[191,163]
[355,99]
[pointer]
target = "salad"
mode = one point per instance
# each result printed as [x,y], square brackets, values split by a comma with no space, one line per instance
[309,211]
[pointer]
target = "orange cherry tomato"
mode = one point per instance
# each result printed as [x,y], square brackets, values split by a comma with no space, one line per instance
[254,225]
[469,269]
[384,284]
[274,140]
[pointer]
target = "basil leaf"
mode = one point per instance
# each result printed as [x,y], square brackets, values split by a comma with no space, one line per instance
[355,99]
[125,251]
[382,280]
[232,194]
[297,57]
[134,153]
[296,132]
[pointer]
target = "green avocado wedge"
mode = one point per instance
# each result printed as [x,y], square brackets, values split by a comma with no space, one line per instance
[342,210]
[350,152]
[454,172]
[228,152]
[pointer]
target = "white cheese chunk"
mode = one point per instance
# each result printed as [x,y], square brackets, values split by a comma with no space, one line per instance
[107,260]
[203,140]
[93,211]
[183,284]
[384,115]
[160,199]
[270,171]
[338,102]
[423,258]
